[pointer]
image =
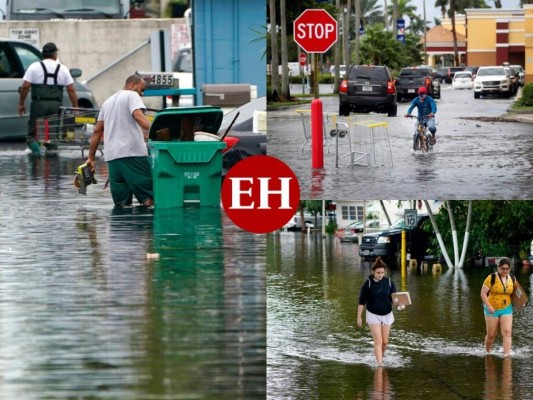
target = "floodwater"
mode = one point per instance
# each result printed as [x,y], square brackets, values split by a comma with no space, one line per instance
[436,349]
[474,158]
[122,304]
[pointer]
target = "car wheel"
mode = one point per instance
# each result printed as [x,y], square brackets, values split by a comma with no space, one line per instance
[399,98]
[393,110]
[476,95]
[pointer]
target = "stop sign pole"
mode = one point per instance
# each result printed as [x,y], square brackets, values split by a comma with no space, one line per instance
[315,31]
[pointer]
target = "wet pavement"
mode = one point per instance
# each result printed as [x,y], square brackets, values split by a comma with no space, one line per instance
[436,347]
[478,155]
[133,303]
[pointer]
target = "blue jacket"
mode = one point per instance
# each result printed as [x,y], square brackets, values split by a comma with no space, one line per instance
[424,107]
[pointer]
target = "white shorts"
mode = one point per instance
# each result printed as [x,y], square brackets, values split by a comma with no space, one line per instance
[374,319]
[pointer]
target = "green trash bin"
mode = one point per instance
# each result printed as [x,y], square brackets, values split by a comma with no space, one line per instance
[184,170]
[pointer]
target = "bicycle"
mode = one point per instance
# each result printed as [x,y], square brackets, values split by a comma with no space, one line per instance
[422,139]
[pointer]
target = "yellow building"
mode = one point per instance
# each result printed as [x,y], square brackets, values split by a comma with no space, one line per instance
[485,36]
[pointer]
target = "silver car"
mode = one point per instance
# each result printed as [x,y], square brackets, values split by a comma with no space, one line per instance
[521,74]
[15,57]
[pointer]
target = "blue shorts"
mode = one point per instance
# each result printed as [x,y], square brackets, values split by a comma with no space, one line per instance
[499,313]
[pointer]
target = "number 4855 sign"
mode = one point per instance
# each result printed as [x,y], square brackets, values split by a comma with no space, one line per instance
[410,218]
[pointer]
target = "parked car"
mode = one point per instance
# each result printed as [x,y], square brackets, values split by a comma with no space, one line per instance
[514,78]
[412,78]
[463,80]
[521,74]
[445,74]
[473,70]
[387,243]
[491,80]
[349,233]
[292,227]
[342,70]
[15,57]
[248,142]
[368,88]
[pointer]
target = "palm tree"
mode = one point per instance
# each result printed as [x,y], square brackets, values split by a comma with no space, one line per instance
[284,54]
[404,9]
[378,47]
[371,12]
[417,26]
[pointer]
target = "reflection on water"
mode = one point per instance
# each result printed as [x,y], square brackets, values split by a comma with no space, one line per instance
[436,346]
[382,389]
[499,379]
[98,302]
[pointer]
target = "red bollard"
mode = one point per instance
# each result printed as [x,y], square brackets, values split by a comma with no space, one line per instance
[317,134]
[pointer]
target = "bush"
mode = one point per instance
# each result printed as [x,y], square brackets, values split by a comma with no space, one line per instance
[527,95]
[331,227]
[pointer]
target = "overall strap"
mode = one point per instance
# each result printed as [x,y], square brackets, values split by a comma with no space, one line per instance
[49,75]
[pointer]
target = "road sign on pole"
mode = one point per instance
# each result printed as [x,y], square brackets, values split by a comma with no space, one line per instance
[315,30]
[302,59]
[410,217]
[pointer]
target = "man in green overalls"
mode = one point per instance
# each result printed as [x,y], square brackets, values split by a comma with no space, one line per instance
[46,78]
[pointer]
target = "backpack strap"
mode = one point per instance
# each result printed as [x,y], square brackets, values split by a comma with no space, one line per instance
[493,279]
[390,282]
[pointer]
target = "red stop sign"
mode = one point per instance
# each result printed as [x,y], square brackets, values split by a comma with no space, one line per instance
[302,59]
[315,31]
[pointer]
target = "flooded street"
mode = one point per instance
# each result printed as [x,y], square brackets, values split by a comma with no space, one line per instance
[436,349]
[474,157]
[122,304]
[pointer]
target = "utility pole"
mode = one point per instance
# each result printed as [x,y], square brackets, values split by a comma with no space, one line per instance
[425,35]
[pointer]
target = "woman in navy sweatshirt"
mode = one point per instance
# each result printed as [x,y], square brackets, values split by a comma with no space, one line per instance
[375,294]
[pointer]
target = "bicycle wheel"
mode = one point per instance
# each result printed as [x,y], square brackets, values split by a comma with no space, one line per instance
[416,143]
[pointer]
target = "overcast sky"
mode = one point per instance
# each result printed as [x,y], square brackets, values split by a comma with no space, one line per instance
[433,12]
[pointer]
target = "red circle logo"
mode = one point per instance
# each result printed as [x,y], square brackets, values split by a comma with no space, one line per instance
[260,194]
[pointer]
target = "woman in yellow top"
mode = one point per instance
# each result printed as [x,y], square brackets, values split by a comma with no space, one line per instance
[497,305]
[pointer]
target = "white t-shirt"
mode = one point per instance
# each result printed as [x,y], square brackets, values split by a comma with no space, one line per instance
[123,137]
[35,74]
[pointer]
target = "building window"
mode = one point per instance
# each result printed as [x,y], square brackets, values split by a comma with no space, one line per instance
[352,213]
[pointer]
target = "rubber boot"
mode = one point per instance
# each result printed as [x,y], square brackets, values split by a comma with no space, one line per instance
[34,146]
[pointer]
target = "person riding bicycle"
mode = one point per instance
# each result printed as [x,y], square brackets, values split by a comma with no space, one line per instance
[426,108]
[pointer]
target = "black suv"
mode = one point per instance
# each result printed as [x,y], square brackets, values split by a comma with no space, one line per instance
[412,78]
[387,243]
[368,88]
[446,74]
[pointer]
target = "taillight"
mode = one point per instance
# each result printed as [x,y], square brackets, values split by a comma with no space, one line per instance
[343,88]
[428,82]
[391,89]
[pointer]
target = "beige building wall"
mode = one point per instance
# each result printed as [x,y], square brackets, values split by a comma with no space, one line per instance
[481,41]
[528,38]
[107,51]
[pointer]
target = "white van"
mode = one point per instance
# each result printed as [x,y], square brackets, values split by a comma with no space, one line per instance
[342,70]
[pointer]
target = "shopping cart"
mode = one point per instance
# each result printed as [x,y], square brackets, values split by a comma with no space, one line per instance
[71,127]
